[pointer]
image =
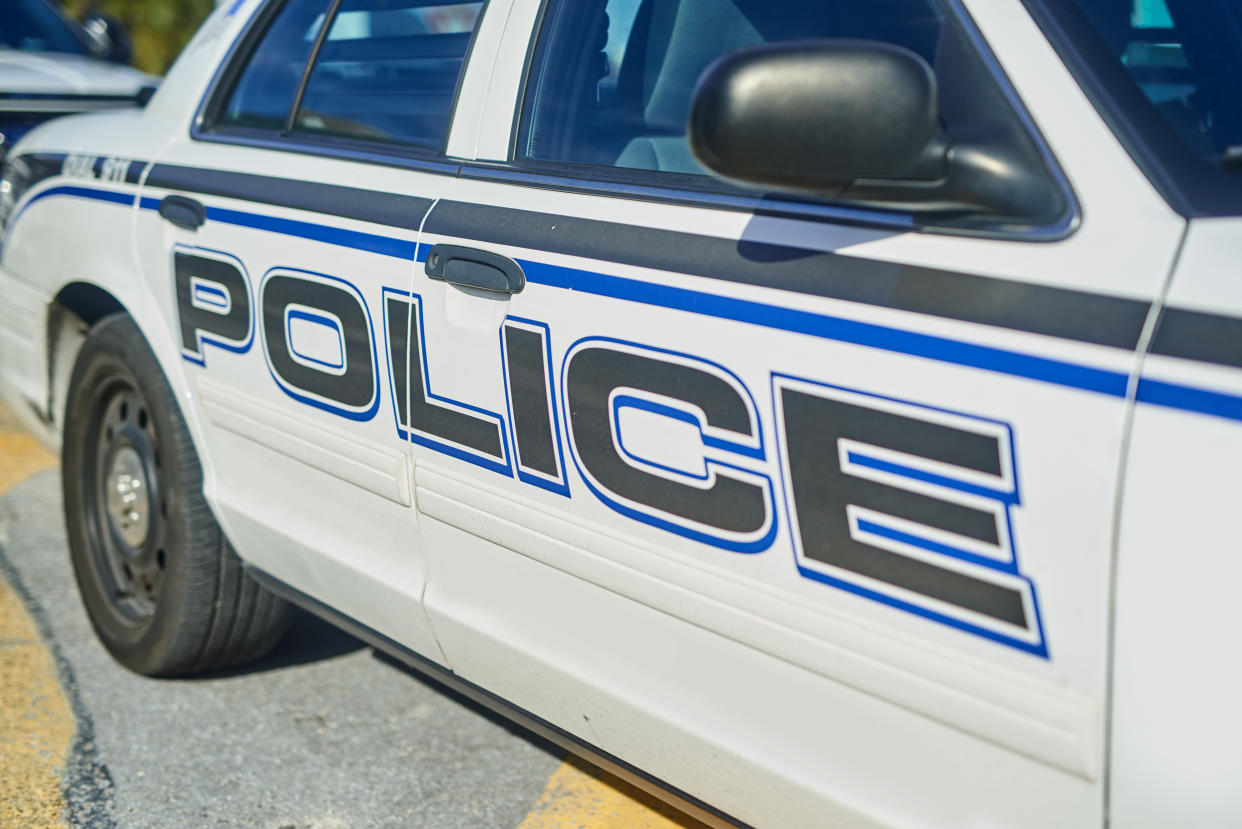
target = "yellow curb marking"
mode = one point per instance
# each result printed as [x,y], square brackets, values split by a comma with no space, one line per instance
[580,796]
[36,721]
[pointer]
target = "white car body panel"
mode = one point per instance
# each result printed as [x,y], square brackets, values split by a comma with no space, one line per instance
[100,251]
[476,122]
[1175,682]
[328,535]
[738,669]
[1054,716]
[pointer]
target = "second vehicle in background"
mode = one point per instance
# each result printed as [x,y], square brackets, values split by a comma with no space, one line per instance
[50,65]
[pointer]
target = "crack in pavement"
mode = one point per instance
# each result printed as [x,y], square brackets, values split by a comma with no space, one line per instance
[49,776]
[87,783]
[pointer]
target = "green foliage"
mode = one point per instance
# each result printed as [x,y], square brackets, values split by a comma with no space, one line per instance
[159,28]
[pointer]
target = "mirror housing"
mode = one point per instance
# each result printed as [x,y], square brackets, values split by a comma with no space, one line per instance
[859,121]
[111,40]
[814,115]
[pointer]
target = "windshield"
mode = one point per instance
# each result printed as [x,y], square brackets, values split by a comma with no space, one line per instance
[34,26]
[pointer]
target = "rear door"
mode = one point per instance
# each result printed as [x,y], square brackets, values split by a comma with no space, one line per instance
[273,234]
[794,505]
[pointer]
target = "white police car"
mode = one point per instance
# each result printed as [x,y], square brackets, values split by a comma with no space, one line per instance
[49,66]
[827,412]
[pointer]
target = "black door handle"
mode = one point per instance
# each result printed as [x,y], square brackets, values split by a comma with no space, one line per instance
[475,269]
[183,212]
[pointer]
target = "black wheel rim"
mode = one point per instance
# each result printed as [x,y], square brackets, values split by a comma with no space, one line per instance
[125,503]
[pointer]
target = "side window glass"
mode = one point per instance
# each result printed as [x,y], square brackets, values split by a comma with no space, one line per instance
[611,83]
[1185,57]
[263,94]
[388,72]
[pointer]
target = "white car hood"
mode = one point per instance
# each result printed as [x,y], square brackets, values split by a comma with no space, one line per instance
[50,73]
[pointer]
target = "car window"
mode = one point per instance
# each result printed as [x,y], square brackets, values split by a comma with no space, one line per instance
[388,71]
[33,26]
[1186,58]
[612,82]
[263,94]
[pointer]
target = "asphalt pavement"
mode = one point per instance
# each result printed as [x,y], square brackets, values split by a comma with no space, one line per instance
[324,733]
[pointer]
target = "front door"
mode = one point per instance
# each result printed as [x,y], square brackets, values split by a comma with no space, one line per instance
[760,492]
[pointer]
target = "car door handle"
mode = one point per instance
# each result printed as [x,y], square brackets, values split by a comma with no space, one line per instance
[183,212]
[475,269]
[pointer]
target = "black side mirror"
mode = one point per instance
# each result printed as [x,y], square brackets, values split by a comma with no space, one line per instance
[111,40]
[858,121]
[813,116]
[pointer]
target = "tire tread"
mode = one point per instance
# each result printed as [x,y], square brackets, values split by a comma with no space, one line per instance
[219,617]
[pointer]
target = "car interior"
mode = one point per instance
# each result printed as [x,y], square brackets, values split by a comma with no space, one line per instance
[1171,49]
[583,109]
[388,71]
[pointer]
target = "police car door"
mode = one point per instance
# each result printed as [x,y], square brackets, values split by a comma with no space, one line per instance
[775,494]
[278,228]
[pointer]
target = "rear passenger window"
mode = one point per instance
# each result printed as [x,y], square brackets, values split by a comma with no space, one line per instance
[611,83]
[388,71]
[384,71]
[264,92]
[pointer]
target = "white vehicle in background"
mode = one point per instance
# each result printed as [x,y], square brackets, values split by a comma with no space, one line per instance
[823,413]
[50,65]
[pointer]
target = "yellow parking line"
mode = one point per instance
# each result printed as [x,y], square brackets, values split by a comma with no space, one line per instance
[580,796]
[21,456]
[37,723]
[36,720]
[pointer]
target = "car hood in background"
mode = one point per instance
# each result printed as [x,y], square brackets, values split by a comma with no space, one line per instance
[31,81]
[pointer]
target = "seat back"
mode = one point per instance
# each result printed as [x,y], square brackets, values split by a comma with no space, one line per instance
[674,41]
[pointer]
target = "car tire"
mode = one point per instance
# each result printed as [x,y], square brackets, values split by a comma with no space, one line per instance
[164,590]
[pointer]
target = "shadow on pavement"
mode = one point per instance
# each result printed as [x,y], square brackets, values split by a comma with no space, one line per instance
[474,707]
[655,805]
[309,639]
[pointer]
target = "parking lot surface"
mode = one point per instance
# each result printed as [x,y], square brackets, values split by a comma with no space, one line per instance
[324,733]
